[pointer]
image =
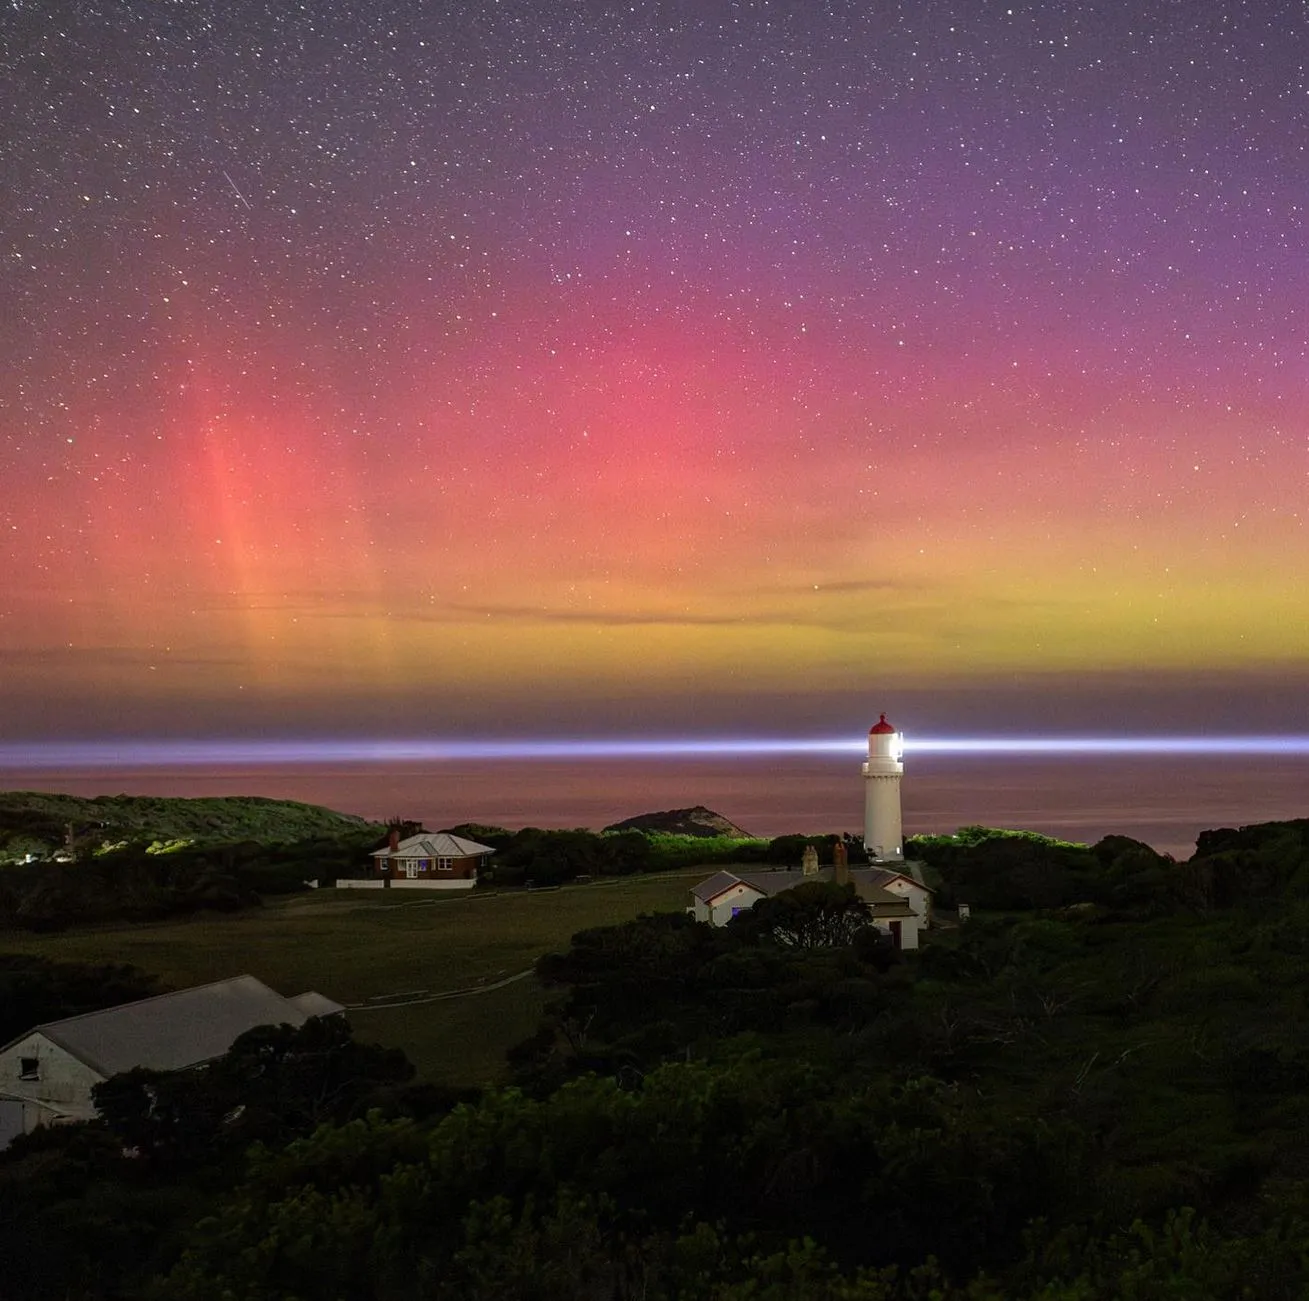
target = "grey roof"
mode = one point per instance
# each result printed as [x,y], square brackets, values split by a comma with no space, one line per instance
[312,1003]
[868,882]
[714,886]
[172,1031]
[912,871]
[435,844]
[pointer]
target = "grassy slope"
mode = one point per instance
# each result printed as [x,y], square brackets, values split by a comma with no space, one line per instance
[352,948]
[46,816]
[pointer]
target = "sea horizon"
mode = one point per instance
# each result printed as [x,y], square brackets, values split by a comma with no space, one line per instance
[1164,801]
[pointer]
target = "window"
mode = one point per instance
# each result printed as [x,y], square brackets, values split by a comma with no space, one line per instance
[424,864]
[445,864]
[29,1068]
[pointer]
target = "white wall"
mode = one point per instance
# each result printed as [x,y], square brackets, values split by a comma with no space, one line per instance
[404,883]
[737,899]
[18,1116]
[351,883]
[918,897]
[909,929]
[63,1083]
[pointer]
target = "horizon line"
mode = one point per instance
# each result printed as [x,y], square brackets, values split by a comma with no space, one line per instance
[220,753]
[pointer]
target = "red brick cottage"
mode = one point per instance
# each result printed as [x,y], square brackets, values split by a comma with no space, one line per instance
[434,860]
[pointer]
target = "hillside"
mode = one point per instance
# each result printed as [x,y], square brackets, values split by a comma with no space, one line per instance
[698,821]
[36,822]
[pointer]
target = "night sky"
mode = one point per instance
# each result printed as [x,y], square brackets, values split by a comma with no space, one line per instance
[516,367]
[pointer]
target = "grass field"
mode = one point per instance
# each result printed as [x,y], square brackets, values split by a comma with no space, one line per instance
[360,945]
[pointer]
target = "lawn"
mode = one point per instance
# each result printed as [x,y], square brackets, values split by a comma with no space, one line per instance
[354,946]
[458,1041]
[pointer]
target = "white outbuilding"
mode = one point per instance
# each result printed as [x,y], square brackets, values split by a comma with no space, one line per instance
[900,903]
[47,1074]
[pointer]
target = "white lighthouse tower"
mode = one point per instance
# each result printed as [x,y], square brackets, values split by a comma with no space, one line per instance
[882,836]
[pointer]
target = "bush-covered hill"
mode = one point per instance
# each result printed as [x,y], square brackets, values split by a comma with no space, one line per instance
[698,821]
[37,823]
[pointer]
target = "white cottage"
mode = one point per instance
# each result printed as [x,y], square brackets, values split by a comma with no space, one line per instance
[900,903]
[905,881]
[47,1074]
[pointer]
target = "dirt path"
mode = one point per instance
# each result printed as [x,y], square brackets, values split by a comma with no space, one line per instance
[414,997]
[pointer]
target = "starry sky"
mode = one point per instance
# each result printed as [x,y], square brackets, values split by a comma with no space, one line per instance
[512,366]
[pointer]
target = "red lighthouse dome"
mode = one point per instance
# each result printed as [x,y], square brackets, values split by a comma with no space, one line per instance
[881,728]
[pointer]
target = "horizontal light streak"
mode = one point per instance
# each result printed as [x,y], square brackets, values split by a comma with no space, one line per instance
[45,755]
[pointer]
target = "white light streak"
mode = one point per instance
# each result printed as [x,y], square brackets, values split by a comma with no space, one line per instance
[199,753]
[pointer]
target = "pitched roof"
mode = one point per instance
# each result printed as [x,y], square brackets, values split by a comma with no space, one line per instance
[312,1003]
[435,844]
[172,1031]
[714,886]
[913,873]
[867,881]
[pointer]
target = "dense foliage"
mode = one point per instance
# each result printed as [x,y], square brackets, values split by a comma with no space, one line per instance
[67,861]
[137,883]
[540,858]
[92,1211]
[1097,1089]
[1051,1106]
[40,824]
[1006,870]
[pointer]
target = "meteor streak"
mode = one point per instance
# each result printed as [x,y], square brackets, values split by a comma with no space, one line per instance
[237,192]
[45,755]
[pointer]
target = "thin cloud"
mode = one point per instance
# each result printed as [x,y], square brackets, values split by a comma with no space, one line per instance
[17,657]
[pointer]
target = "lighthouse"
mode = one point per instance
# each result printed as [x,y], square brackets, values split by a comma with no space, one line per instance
[882,836]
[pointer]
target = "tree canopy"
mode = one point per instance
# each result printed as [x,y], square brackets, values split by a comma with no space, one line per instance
[1103,1094]
[812,915]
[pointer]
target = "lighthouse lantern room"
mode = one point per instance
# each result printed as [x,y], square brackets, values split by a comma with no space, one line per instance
[883,838]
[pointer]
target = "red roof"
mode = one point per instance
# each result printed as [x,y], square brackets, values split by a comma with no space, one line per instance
[881,727]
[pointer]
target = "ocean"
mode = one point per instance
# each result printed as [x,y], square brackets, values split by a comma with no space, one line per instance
[1164,802]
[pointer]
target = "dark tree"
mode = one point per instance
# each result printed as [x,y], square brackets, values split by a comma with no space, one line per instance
[814,915]
[275,1084]
[35,990]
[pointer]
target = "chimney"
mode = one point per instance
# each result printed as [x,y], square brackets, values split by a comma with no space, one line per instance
[394,843]
[840,863]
